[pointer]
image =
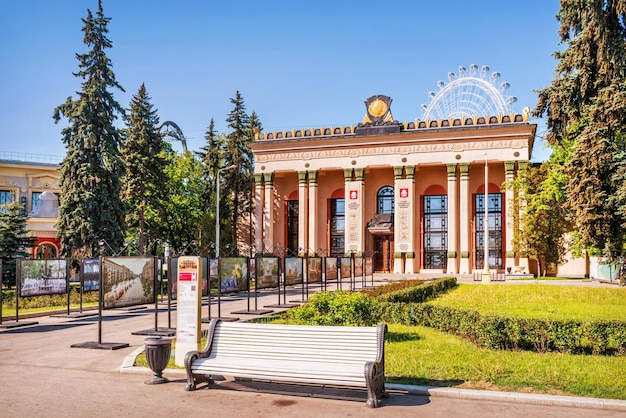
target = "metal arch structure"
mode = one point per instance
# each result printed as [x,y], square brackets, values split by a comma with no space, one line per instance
[170,131]
[473,92]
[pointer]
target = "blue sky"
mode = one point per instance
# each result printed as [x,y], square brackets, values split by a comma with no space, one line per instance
[296,64]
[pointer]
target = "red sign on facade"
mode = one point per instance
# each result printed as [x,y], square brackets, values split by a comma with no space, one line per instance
[404,193]
[354,194]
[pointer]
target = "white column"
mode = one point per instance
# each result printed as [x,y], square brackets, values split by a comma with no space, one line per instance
[268,213]
[464,219]
[509,197]
[302,211]
[452,220]
[258,213]
[486,277]
[401,232]
[523,259]
[313,221]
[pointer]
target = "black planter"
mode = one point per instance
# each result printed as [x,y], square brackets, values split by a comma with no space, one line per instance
[157,351]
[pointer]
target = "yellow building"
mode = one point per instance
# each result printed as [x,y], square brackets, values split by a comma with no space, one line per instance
[34,182]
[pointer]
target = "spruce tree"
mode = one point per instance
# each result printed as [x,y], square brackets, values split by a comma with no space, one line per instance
[211,156]
[239,154]
[90,209]
[14,240]
[145,180]
[586,104]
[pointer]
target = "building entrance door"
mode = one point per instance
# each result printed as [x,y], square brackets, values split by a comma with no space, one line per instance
[383,245]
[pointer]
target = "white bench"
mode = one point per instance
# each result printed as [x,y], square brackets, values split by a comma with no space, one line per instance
[314,355]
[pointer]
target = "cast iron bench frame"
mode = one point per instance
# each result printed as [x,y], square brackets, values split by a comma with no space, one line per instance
[298,354]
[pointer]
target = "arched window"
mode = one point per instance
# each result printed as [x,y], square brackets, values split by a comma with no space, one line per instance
[46,251]
[385,200]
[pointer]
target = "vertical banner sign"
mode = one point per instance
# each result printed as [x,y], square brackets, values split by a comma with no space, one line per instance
[403,227]
[189,303]
[354,216]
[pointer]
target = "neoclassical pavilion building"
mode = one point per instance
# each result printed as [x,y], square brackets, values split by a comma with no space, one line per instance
[411,194]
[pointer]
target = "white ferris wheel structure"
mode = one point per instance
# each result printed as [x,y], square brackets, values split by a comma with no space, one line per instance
[473,92]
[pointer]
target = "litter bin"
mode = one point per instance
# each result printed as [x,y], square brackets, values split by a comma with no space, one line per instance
[157,351]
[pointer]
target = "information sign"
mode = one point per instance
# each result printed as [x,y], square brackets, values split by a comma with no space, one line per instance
[189,303]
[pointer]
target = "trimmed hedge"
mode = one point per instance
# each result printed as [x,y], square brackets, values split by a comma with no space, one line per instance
[416,292]
[498,332]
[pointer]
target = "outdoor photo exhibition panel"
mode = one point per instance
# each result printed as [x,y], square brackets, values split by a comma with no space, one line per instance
[233,275]
[42,277]
[331,269]
[90,277]
[128,281]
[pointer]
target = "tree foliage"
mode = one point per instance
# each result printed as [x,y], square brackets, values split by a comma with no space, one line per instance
[541,212]
[586,105]
[143,154]
[236,152]
[211,156]
[90,209]
[14,240]
[176,220]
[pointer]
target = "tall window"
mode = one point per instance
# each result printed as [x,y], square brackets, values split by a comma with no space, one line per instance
[384,199]
[6,196]
[435,232]
[337,226]
[34,200]
[494,211]
[292,226]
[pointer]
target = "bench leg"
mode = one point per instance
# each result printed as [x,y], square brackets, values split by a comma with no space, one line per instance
[375,381]
[194,380]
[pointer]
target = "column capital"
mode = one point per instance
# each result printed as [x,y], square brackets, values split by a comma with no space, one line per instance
[410,171]
[451,171]
[464,169]
[359,174]
[302,177]
[312,176]
[509,167]
[269,178]
[347,174]
[258,178]
[522,164]
[397,172]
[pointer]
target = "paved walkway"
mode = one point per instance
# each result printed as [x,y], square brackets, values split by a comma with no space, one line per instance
[41,375]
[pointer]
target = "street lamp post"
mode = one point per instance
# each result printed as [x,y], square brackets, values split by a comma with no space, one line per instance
[486,277]
[217,209]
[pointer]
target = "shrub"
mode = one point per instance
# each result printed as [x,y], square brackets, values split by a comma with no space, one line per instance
[340,307]
[417,292]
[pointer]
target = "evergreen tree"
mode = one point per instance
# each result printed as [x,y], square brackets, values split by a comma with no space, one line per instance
[586,104]
[145,179]
[90,209]
[211,156]
[239,154]
[14,240]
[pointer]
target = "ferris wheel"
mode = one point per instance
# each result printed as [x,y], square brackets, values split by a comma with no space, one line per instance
[473,92]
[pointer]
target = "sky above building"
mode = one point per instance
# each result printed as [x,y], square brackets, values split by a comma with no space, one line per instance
[296,64]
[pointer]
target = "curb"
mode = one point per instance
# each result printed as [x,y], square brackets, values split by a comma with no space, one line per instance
[485,395]
[521,398]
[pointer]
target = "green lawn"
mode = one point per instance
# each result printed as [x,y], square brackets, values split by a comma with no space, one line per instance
[419,355]
[539,301]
